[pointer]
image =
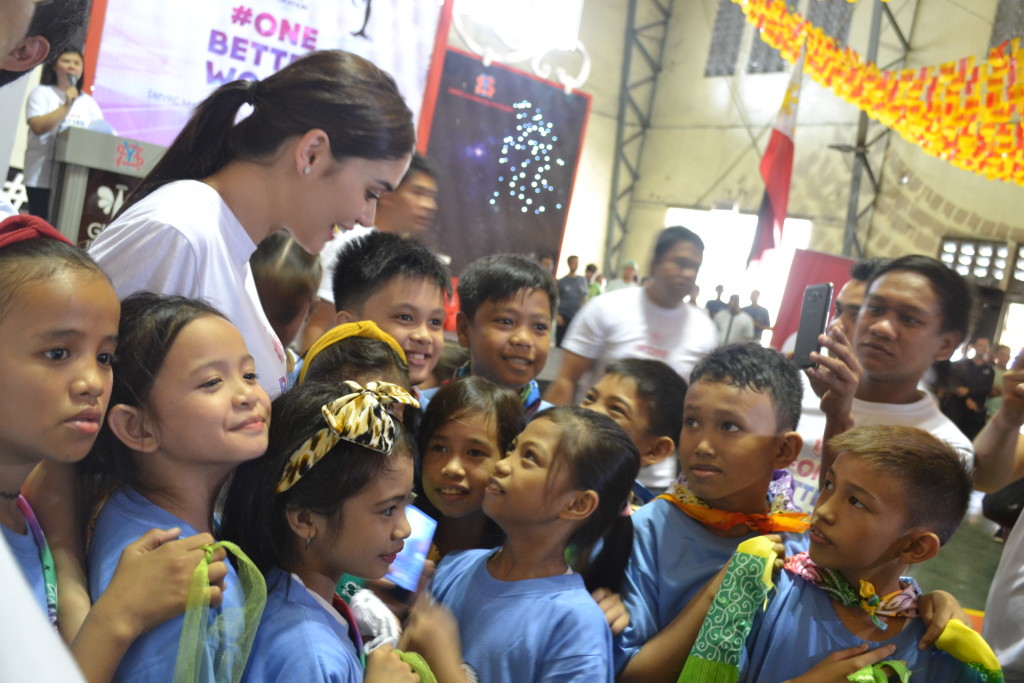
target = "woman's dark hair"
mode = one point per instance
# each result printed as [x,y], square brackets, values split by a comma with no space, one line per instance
[600,457]
[49,75]
[38,259]
[357,104]
[150,323]
[254,515]
[471,395]
[354,358]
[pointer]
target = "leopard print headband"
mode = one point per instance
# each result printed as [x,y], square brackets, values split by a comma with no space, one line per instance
[360,417]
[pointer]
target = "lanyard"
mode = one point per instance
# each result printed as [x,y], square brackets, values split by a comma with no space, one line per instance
[45,559]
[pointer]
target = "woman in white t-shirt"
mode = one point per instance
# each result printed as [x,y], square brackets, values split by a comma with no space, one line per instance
[54,105]
[326,137]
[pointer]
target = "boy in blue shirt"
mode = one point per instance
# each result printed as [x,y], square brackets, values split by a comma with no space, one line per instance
[506,305]
[739,419]
[893,496]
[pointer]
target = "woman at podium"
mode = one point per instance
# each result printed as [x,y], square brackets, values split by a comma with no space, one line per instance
[53,105]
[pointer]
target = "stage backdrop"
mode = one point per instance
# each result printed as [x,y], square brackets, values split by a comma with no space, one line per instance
[506,145]
[152,62]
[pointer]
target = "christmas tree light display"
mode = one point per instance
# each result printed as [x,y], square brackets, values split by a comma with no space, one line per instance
[525,162]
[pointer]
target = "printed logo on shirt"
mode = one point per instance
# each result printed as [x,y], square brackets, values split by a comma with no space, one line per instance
[652,351]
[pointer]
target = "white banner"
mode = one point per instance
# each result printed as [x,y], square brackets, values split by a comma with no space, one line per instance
[158,59]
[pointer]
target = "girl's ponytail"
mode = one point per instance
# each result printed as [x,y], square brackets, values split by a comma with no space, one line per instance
[601,458]
[349,98]
[609,566]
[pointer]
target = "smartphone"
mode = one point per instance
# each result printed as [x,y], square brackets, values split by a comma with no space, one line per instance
[408,566]
[813,319]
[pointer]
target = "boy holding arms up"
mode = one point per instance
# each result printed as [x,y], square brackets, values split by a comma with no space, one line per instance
[400,285]
[739,421]
[506,305]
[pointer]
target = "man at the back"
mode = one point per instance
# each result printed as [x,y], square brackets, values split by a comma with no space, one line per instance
[572,292]
[759,314]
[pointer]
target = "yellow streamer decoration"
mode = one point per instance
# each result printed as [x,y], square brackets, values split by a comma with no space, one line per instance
[965,112]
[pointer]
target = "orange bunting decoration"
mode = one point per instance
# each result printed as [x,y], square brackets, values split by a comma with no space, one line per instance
[963,112]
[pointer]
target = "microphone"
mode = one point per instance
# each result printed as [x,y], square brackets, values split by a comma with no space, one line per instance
[74,80]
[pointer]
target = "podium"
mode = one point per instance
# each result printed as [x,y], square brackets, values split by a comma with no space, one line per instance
[94,172]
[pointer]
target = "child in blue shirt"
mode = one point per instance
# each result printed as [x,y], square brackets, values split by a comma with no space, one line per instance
[186,409]
[739,419]
[328,498]
[892,497]
[506,305]
[523,611]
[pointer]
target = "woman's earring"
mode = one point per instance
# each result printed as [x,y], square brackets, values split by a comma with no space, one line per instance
[309,539]
[306,170]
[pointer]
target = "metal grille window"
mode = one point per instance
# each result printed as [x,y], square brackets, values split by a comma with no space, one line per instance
[1008,22]
[725,39]
[764,59]
[984,263]
[831,16]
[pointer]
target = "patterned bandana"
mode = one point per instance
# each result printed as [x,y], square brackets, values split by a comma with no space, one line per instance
[364,328]
[901,603]
[359,417]
[529,395]
[781,517]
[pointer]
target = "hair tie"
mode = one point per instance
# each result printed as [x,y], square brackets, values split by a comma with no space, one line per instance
[250,92]
[364,328]
[360,417]
[23,228]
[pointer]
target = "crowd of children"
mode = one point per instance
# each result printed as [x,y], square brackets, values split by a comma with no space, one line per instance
[553,564]
[173,523]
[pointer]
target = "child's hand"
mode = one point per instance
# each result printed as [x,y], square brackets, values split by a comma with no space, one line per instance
[431,629]
[384,666]
[779,549]
[840,664]
[156,559]
[936,609]
[614,609]
[837,375]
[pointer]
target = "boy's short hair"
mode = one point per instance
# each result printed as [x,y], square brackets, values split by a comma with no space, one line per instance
[754,367]
[499,277]
[58,21]
[936,483]
[660,388]
[367,263]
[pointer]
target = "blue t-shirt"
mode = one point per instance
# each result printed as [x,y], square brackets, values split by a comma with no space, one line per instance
[527,631]
[125,517]
[800,628]
[673,556]
[26,554]
[298,640]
